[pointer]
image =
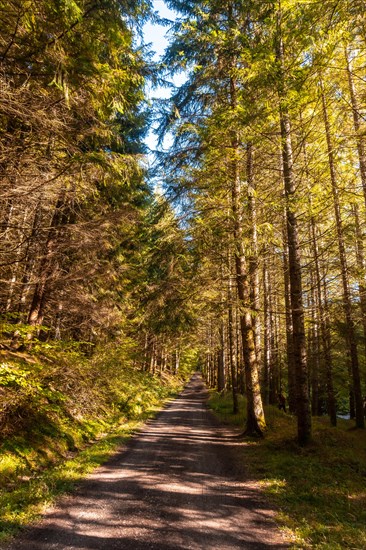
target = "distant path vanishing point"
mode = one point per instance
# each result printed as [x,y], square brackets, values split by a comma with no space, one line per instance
[176,487]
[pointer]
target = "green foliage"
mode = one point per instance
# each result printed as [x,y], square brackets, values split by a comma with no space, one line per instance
[165,302]
[320,490]
[71,126]
[32,483]
[222,405]
[189,361]
[129,391]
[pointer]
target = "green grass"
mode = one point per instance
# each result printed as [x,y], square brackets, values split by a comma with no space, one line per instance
[320,490]
[24,500]
[36,479]
[62,416]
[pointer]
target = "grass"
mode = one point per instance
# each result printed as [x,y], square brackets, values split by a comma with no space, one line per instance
[32,494]
[320,490]
[50,439]
[23,499]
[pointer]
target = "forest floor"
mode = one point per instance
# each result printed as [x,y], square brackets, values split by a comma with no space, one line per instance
[61,416]
[319,489]
[179,484]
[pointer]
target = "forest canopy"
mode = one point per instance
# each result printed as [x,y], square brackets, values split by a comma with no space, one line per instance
[247,260]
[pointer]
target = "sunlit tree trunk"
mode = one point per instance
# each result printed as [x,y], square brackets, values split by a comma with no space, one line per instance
[255,423]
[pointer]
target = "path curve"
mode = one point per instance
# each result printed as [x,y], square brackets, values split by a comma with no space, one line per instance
[176,487]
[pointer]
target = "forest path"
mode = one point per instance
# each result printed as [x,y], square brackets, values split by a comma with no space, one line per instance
[177,486]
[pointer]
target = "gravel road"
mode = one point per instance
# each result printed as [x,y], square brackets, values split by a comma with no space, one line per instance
[177,486]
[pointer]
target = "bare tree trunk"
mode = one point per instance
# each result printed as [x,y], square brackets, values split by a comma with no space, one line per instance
[47,264]
[153,356]
[176,360]
[17,264]
[145,363]
[324,329]
[357,124]
[313,356]
[360,259]
[239,352]
[253,258]
[296,299]
[276,355]
[5,238]
[58,320]
[322,313]
[221,382]
[29,265]
[291,374]
[267,355]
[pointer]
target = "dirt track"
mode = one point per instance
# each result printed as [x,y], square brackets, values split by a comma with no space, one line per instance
[175,487]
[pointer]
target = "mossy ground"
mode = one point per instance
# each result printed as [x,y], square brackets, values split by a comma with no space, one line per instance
[61,416]
[319,490]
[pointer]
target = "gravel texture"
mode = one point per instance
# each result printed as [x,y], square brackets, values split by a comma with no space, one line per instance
[178,485]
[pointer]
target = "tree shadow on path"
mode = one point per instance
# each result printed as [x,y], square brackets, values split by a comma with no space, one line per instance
[178,486]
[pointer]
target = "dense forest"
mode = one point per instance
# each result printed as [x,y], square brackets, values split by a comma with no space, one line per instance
[268,165]
[247,260]
[236,249]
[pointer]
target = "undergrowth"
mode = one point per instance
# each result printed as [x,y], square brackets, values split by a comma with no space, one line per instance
[61,415]
[320,490]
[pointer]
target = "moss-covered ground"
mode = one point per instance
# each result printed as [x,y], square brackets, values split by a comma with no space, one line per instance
[319,490]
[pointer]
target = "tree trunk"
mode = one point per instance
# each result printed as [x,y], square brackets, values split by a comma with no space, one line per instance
[295,275]
[253,258]
[267,340]
[324,330]
[47,264]
[255,423]
[360,259]
[313,351]
[322,312]
[357,119]
[221,382]
[347,304]
[357,125]
[291,371]
[232,346]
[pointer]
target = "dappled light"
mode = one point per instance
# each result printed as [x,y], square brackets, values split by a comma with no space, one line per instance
[177,486]
[183,190]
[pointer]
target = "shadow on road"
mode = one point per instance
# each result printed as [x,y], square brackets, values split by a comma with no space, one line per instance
[178,486]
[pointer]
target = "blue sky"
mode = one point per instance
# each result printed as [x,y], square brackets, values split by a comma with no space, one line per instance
[155,35]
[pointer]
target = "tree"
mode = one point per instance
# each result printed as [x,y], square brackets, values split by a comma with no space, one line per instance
[71,125]
[213,77]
